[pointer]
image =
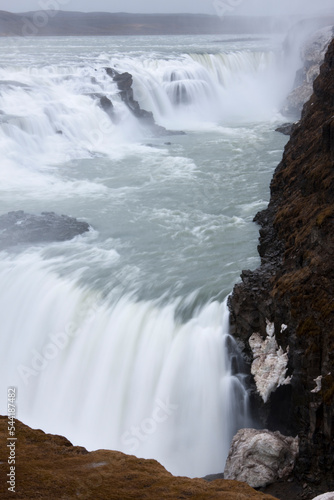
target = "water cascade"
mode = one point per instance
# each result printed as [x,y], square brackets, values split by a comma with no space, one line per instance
[119,338]
[126,376]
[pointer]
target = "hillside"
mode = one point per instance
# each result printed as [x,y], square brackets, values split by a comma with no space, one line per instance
[51,23]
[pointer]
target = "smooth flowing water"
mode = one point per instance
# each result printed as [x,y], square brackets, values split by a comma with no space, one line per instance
[119,338]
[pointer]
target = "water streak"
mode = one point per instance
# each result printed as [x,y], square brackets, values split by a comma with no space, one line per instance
[127,376]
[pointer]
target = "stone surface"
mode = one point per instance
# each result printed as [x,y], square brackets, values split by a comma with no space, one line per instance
[294,286]
[286,128]
[260,457]
[108,107]
[49,467]
[17,228]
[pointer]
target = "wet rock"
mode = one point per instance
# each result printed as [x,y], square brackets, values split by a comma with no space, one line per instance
[107,106]
[18,228]
[105,103]
[286,128]
[259,458]
[124,83]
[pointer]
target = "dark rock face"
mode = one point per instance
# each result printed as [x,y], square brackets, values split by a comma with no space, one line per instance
[124,83]
[22,228]
[108,107]
[294,286]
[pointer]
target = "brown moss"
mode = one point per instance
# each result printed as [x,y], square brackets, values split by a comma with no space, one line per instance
[308,327]
[48,468]
[324,305]
[328,389]
[313,348]
[325,214]
[292,282]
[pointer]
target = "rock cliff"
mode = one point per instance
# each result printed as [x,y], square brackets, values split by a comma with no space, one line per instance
[312,55]
[293,289]
[49,467]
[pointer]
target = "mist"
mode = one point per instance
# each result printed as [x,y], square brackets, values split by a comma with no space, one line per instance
[301,8]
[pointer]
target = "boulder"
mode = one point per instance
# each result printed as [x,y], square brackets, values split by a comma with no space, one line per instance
[286,128]
[260,457]
[21,228]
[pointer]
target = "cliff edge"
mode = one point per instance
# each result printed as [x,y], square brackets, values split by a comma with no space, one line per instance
[49,467]
[292,293]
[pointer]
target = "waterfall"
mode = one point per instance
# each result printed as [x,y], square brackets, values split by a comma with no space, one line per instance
[49,120]
[127,376]
[210,87]
[119,338]
[57,109]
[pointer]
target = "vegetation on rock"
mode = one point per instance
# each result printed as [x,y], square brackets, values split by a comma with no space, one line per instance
[295,284]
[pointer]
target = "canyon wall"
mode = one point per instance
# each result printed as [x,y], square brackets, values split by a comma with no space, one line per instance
[292,293]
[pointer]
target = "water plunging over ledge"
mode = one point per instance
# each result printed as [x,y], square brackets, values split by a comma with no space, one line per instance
[119,338]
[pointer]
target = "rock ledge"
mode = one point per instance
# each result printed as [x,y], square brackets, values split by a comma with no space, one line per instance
[49,467]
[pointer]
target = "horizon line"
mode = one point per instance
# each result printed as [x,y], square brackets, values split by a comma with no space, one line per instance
[158,13]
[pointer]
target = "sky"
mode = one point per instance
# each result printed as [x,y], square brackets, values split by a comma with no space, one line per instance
[243,7]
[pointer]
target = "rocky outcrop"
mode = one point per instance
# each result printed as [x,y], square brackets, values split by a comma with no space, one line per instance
[49,467]
[108,107]
[312,55]
[20,228]
[294,286]
[259,458]
[124,83]
[285,128]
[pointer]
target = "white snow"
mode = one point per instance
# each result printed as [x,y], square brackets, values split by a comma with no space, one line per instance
[269,366]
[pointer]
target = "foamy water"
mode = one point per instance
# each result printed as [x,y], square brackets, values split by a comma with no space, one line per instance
[127,325]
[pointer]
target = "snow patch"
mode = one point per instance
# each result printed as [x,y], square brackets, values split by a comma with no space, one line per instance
[318,387]
[270,362]
[325,496]
[318,382]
